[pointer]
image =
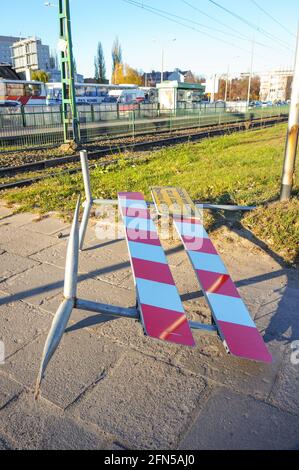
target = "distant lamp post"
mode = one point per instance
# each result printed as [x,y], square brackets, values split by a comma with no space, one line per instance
[162,57]
[226,85]
[250,73]
[228,80]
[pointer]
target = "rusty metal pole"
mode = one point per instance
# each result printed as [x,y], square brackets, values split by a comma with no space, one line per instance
[292,135]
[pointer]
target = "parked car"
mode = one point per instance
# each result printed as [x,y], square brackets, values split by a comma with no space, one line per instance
[9,104]
[110,99]
[255,104]
[280,103]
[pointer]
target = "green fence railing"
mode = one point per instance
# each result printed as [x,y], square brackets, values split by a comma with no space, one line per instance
[33,126]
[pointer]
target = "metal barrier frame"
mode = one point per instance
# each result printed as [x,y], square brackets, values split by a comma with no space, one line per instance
[70,299]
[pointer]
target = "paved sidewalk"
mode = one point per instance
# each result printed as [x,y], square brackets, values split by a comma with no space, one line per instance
[108,386]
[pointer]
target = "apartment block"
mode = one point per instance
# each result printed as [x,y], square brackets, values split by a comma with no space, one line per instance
[276,85]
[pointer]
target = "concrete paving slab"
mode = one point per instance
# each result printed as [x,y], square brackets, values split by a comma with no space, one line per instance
[186,280]
[4,212]
[27,243]
[90,236]
[231,421]
[3,444]
[40,426]
[115,446]
[118,248]
[285,390]
[97,291]
[260,267]
[197,310]
[130,334]
[144,401]
[103,292]
[17,220]
[48,225]
[175,253]
[54,254]
[210,360]
[121,383]
[80,361]
[114,267]
[263,294]
[253,288]
[257,269]
[7,233]
[278,316]
[9,389]
[13,264]
[100,263]
[20,324]
[35,286]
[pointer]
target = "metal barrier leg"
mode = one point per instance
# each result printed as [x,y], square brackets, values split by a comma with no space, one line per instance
[65,309]
[88,195]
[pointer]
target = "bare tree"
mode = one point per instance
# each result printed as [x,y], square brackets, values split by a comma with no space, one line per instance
[100,66]
[116,55]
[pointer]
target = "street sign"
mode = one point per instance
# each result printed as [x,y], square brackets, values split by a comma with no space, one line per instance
[175,202]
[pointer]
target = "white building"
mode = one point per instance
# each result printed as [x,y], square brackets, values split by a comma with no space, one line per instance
[275,85]
[29,55]
[6,43]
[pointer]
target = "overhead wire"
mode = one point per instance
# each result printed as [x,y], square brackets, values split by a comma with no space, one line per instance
[168,16]
[272,17]
[251,25]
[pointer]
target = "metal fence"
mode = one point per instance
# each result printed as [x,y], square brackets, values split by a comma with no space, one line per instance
[32,126]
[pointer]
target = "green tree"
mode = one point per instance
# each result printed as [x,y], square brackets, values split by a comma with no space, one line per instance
[40,76]
[125,74]
[75,66]
[100,66]
[52,61]
[133,76]
[238,88]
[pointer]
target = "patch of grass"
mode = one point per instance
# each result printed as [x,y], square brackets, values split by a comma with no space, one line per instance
[277,225]
[241,168]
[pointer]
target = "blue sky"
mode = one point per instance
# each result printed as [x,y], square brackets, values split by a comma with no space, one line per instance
[142,33]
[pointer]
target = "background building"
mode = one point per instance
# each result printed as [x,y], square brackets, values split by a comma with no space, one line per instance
[8,73]
[29,55]
[153,78]
[276,85]
[6,43]
[180,95]
[55,76]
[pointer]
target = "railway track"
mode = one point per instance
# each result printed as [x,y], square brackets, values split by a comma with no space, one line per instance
[39,166]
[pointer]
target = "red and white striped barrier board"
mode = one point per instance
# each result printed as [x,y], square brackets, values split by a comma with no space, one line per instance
[161,309]
[234,323]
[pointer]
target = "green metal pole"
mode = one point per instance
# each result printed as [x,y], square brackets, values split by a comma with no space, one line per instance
[68,74]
